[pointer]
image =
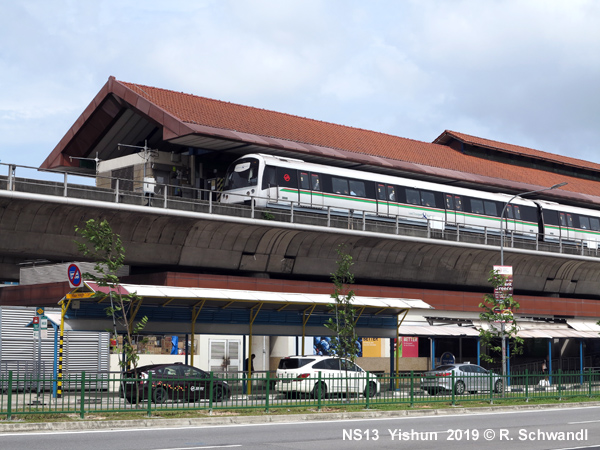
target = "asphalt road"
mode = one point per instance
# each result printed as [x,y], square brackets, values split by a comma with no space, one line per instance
[567,428]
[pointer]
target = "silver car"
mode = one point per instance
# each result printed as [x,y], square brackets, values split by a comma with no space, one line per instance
[466,377]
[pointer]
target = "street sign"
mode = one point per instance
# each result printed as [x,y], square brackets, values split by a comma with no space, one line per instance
[74,275]
[76,295]
[40,310]
[44,327]
[447,358]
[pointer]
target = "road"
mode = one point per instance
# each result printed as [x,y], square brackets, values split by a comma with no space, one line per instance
[532,430]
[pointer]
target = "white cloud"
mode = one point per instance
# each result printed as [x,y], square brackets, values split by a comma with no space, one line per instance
[523,72]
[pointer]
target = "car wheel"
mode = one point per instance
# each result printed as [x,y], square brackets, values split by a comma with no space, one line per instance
[372,389]
[498,386]
[459,388]
[160,395]
[323,390]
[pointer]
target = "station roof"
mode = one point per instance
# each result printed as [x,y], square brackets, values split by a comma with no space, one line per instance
[128,112]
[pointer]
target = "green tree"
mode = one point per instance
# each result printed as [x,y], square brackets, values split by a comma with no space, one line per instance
[344,343]
[499,313]
[105,248]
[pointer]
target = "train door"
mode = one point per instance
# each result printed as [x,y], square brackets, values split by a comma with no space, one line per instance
[454,209]
[392,200]
[316,190]
[305,193]
[566,226]
[382,201]
[513,214]
[586,224]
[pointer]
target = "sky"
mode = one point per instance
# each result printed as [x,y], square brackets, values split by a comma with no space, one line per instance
[524,72]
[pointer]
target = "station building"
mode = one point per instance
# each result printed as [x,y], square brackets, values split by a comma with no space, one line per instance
[169,152]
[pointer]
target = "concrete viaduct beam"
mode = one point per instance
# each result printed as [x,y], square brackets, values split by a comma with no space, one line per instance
[32,227]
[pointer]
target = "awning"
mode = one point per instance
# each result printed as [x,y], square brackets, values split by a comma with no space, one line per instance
[544,330]
[182,296]
[438,331]
[232,311]
[584,325]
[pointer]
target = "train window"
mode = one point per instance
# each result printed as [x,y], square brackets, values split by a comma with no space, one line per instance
[584,222]
[269,177]
[243,173]
[339,185]
[477,206]
[563,220]
[357,188]
[391,193]
[304,183]
[413,197]
[517,211]
[427,198]
[594,224]
[490,208]
[449,202]
[509,212]
[550,217]
[287,177]
[566,220]
[316,181]
[381,192]
[458,203]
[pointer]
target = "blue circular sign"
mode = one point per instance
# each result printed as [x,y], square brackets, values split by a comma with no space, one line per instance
[74,274]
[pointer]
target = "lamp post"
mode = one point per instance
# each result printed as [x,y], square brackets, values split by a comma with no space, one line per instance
[502,329]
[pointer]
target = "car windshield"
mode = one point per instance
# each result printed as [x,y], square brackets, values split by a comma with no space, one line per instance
[294,363]
[242,173]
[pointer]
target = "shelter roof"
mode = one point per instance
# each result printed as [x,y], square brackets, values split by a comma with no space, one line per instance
[232,298]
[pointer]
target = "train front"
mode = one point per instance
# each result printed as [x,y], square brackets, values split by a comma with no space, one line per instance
[242,181]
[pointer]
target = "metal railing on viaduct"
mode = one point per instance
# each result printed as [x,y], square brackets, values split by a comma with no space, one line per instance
[176,197]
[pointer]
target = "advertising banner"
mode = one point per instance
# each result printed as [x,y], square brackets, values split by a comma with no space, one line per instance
[371,347]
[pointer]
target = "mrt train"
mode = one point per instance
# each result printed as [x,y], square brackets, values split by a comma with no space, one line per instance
[272,181]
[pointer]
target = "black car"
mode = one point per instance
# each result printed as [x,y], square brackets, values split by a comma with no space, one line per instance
[179,382]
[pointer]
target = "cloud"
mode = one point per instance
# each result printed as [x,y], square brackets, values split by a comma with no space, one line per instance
[523,72]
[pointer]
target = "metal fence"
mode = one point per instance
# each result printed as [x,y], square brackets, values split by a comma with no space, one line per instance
[86,395]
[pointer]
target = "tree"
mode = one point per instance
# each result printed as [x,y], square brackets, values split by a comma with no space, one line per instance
[498,312]
[345,343]
[106,249]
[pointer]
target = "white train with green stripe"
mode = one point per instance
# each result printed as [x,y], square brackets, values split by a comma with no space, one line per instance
[272,181]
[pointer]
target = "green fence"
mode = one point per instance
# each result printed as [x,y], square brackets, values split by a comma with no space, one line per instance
[87,394]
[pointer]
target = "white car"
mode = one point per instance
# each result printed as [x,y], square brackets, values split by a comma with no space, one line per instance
[300,374]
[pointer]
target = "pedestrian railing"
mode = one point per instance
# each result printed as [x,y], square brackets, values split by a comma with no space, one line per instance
[85,395]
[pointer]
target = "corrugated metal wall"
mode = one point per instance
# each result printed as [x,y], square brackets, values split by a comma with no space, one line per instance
[83,351]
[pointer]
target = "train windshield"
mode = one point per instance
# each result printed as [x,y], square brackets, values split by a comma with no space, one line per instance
[241,174]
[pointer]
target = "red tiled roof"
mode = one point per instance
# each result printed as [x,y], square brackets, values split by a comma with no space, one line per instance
[182,114]
[214,113]
[518,150]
